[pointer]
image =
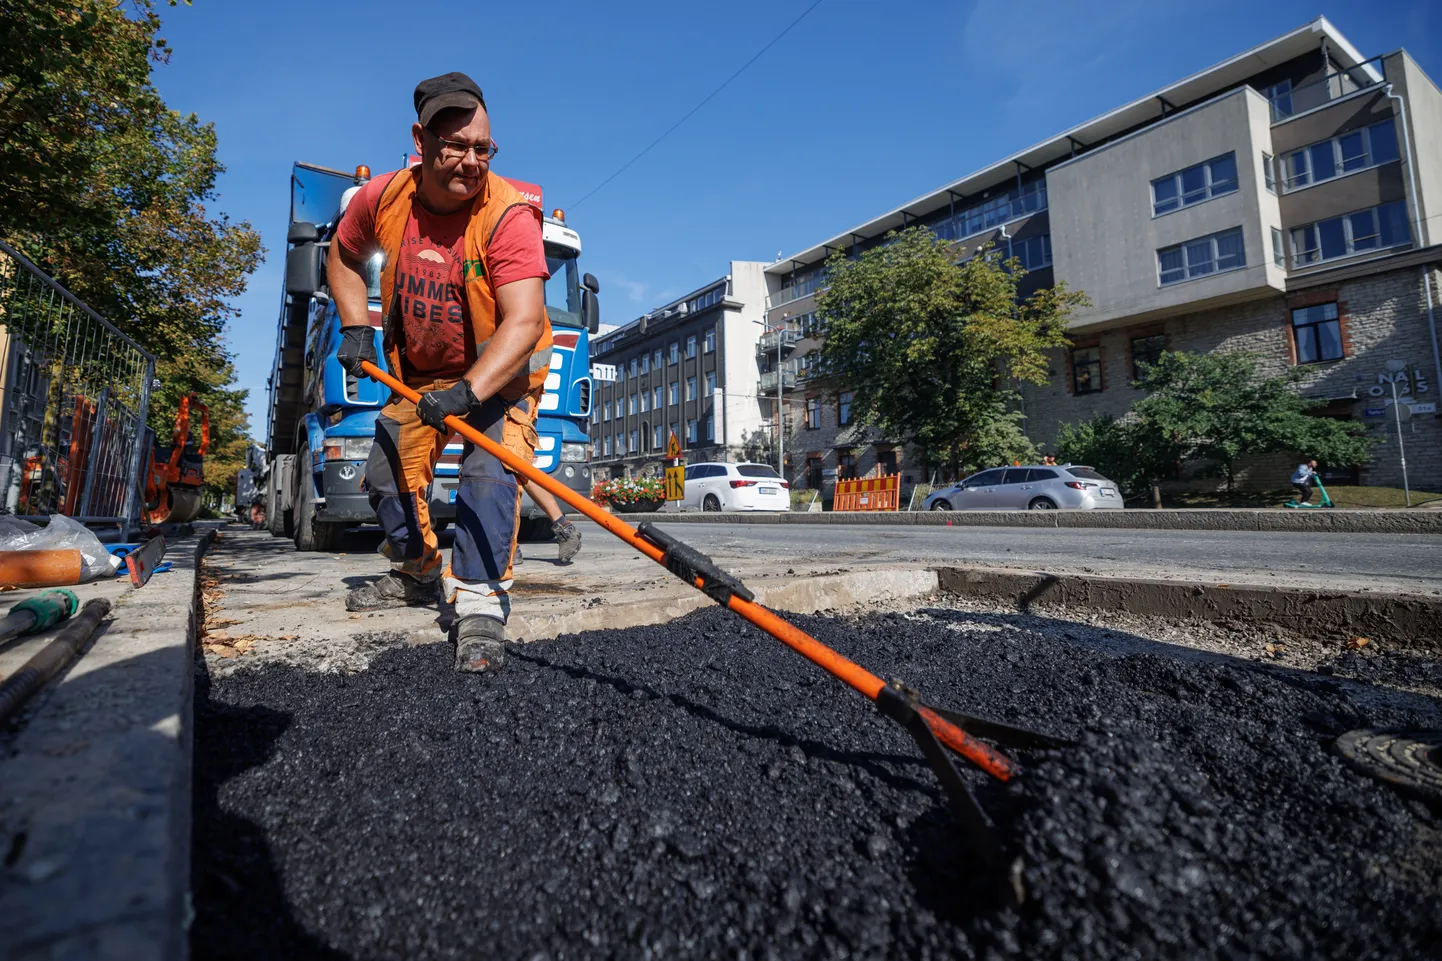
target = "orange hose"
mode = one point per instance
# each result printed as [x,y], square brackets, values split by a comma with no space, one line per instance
[849,672]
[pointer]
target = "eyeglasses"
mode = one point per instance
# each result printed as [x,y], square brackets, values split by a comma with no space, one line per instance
[456,150]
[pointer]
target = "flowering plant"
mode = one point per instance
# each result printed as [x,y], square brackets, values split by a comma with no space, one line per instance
[629,490]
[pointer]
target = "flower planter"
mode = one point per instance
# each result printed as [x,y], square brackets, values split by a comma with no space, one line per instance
[638,507]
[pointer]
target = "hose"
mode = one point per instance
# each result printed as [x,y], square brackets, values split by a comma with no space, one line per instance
[19,687]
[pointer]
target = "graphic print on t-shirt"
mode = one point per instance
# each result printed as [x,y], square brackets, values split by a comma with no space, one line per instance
[430,294]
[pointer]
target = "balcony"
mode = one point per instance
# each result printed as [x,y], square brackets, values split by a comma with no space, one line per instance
[788,375]
[801,288]
[787,337]
[1318,93]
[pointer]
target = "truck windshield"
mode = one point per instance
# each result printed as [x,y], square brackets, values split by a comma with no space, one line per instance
[563,290]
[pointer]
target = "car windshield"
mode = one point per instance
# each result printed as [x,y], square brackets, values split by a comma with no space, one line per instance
[1085,473]
[756,470]
[563,290]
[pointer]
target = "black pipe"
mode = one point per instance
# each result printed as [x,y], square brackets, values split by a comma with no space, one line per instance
[19,687]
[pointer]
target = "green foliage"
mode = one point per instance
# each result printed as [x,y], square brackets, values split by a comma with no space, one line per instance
[932,348]
[1211,407]
[106,188]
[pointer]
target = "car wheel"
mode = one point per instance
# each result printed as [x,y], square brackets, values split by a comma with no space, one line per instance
[711,503]
[1041,504]
[941,504]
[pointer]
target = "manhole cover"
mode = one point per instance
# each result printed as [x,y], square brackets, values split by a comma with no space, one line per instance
[1410,761]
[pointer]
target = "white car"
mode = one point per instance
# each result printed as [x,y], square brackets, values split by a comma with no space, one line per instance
[735,487]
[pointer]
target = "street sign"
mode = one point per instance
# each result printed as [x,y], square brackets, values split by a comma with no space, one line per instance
[1428,408]
[673,448]
[675,482]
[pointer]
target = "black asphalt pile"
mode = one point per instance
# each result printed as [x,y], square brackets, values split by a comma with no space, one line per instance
[697,790]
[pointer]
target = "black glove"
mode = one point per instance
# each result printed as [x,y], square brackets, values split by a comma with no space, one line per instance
[437,405]
[357,343]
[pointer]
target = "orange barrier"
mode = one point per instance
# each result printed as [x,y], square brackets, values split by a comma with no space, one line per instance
[868,494]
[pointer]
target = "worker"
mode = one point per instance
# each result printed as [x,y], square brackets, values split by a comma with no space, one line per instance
[562,529]
[463,302]
[1302,480]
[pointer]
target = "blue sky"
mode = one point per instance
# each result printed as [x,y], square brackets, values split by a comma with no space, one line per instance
[862,106]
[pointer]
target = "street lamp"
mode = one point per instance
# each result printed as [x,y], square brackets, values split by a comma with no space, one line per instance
[780,418]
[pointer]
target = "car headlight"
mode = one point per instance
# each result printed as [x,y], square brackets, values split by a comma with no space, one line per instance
[575,452]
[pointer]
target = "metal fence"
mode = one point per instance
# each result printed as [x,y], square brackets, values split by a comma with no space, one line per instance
[74,393]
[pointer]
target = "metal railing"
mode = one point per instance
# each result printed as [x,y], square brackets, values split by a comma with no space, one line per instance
[1334,86]
[74,394]
[788,336]
[767,384]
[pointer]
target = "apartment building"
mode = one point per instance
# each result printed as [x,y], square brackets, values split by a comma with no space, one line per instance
[1285,202]
[687,368]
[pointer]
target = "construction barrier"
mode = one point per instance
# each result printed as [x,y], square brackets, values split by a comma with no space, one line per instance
[868,494]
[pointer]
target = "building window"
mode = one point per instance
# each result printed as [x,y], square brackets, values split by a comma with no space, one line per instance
[673,393]
[1198,258]
[645,363]
[690,346]
[710,382]
[991,213]
[606,445]
[656,397]
[1354,150]
[659,441]
[607,414]
[656,359]
[1318,333]
[690,388]
[843,407]
[814,475]
[644,400]
[634,362]
[631,405]
[710,427]
[1280,96]
[845,465]
[710,343]
[710,298]
[635,442]
[1372,229]
[1033,252]
[1195,184]
[690,432]
[810,326]
[1086,367]
[813,413]
[1145,350]
[1269,172]
[675,352]
[886,462]
[1278,256]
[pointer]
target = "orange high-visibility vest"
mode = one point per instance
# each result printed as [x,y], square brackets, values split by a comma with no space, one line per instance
[496,199]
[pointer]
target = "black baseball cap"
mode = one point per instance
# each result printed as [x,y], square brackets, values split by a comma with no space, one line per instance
[444,92]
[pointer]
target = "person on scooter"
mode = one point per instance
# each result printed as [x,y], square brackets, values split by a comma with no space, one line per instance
[1302,480]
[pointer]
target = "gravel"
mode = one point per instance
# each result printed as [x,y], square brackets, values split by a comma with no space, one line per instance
[696,789]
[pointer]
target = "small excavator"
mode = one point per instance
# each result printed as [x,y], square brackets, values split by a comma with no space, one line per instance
[172,487]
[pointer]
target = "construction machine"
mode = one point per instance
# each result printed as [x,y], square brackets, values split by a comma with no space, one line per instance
[172,487]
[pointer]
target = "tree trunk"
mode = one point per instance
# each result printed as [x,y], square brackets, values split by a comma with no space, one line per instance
[1156,495]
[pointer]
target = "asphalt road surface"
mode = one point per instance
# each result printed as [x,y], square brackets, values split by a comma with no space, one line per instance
[1393,562]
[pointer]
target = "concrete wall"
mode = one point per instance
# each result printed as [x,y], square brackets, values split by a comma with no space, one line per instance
[1424,120]
[1105,239]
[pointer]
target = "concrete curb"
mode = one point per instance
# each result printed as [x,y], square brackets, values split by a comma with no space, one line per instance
[1405,621]
[802,595]
[97,799]
[1312,522]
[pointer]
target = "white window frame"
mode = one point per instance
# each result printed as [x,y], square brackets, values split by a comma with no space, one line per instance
[1188,266]
[644,399]
[607,415]
[673,393]
[690,388]
[606,445]
[709,343]
[1279,255]
[710,382]
[1269,172]
[691,347]
[1208,184]
[656,397]
[631,405]
[692,431]
[675,352]
[1300,236]
[1290,182]
[658,434]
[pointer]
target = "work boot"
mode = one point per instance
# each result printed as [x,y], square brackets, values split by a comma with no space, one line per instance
[568,537]
[393,590]
[480,644]
[517,559]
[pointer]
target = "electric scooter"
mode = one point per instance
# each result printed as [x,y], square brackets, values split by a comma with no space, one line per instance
[1326,501]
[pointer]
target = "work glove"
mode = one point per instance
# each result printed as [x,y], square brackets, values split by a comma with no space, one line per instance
[357,343]
[437,405]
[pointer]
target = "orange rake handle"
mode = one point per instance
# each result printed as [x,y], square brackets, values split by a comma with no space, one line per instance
[859,678]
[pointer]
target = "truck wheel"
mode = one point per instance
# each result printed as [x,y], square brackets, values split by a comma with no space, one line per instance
[272,503]
[312,534]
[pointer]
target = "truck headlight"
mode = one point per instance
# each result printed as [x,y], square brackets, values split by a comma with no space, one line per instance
[575,452]
[356,448]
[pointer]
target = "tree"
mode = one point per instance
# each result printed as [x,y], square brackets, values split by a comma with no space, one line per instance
[1216,408]
[107,189]
[933,349]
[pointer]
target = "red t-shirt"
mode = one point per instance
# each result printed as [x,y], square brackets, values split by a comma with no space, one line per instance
[430,285]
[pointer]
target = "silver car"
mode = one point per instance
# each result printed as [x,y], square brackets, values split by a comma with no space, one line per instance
[1036,487]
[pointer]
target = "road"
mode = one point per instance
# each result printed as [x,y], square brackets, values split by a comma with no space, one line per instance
[1392,562]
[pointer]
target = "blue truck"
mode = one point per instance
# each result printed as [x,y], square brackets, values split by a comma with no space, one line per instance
[321,420]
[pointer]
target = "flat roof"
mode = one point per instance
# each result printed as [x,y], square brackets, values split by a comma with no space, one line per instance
[1196,87]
